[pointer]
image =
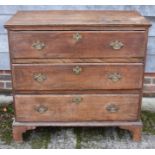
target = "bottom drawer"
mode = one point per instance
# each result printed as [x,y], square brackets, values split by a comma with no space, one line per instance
[96,107]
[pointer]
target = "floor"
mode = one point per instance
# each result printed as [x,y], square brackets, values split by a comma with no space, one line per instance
[106,138]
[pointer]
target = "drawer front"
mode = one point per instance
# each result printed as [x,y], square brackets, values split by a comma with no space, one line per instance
[77,44]
[116,107]
[77,76]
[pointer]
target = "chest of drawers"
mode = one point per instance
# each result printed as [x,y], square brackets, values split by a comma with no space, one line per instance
[77,68]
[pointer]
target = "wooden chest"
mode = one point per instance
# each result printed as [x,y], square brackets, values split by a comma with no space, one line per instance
[77,68]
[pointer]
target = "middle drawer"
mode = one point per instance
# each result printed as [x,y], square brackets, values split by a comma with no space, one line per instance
[77,76]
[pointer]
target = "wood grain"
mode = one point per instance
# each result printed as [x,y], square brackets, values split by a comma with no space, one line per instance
[63,107]
[76,18]
[79,60]
[18,132]
[108,89]
[115,91]
[80,123]
[136,131]
[92,76]
[93,44]
[134,126]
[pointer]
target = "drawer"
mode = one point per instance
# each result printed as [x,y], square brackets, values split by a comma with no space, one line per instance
[77,44]
[85,76]
[86,107]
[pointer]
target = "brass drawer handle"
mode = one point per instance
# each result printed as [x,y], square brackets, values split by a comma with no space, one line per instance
[39,77]
[116,45]
[112,108]
[38,45]
[41,109]
[77,36]
[77,70]
[114,77]
[77,99]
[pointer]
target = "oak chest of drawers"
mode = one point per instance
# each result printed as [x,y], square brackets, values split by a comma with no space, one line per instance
[77,68]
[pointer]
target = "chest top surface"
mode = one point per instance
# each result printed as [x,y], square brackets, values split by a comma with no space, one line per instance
[61,18]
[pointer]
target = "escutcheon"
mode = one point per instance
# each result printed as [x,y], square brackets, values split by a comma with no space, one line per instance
[77,36]
[77,70]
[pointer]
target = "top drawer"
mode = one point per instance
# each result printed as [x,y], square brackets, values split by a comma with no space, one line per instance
[77,44]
